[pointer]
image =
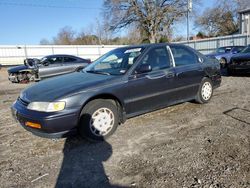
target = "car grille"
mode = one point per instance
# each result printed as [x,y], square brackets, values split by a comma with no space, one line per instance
[246,62]
[23,102]
[241,62]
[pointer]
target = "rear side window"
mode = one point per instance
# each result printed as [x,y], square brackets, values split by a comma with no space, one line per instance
[183,56]
[158,58]
[69,59]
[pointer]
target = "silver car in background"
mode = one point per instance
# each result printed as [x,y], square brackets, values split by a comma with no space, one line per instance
[48,66]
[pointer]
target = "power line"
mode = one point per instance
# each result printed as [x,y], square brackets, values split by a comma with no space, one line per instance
[44,6]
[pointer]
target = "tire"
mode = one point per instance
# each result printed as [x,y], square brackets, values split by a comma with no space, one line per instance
[230,72]
[106,120]
[223,63]
[205,92]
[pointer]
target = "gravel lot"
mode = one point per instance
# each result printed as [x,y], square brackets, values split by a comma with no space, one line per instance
[187,145]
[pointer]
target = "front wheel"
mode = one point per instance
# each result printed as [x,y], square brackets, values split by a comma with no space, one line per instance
[99,120]
[205,91]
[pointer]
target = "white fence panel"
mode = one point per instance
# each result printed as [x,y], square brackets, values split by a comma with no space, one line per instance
[209,45]
[15,54]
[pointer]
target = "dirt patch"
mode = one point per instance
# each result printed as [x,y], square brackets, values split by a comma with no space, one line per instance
[186,145]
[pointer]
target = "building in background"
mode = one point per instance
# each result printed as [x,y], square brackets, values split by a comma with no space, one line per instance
[244,12]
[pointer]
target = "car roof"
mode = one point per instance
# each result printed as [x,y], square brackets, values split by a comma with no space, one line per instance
[63,55]
[230,46]
[60,55]
[151,45]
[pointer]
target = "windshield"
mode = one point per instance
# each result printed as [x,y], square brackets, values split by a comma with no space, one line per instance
[43,59]
[246,50]
[223,50]
[115,62]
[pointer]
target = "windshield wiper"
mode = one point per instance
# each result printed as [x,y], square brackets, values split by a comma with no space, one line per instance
[98,72]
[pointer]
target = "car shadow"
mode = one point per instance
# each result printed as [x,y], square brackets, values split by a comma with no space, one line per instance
[82,164]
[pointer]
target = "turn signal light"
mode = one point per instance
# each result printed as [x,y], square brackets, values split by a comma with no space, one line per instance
[33,125]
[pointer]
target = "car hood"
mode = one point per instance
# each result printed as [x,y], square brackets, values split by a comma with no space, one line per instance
[17,68]
[215,54]
[242,56]
[58,87]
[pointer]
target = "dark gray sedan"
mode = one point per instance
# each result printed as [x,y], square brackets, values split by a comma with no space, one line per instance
[48,66]
[123,83]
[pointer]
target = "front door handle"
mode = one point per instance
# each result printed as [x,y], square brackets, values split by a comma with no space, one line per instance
[170,75]
[155,76]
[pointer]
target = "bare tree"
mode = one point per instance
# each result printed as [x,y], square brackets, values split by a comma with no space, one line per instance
[220,20]
[151,16]
[65,36]
[44,41]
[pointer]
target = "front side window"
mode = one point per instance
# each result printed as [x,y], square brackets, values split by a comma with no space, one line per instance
[158,58]
[183,56]
[115,62]
[238,49]
[52,60]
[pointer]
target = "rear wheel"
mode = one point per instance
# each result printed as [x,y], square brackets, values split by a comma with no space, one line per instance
[205,91]
[99,120]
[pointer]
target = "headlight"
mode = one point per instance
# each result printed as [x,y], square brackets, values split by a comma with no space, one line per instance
[47,106]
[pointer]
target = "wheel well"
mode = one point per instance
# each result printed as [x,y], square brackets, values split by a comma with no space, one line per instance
[25,71]
[116,101]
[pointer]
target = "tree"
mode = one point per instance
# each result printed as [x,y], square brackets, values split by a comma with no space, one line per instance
[220,20]
[65,36]
[44,41]
[201,35]
[153,17]
[83,39]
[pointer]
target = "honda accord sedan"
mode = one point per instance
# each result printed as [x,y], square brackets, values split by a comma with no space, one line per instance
[123,83]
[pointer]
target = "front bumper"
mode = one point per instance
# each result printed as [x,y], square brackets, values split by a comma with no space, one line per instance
[239,68]
[53,125]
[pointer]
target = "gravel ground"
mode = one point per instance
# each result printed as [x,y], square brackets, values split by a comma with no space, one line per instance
[187,145]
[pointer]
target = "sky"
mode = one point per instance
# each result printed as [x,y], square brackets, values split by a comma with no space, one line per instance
[29,21]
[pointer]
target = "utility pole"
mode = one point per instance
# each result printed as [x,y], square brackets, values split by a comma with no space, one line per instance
[248,27]
[189,9]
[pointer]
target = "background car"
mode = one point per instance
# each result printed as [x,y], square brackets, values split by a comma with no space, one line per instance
[224,54]
[48,66]
[240,63]
[121,84]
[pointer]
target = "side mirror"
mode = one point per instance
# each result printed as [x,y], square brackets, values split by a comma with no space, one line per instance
[235,52]
[144,68]
[201,60]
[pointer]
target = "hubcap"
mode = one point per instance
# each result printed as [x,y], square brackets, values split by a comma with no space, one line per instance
[102,122]
[206,91]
